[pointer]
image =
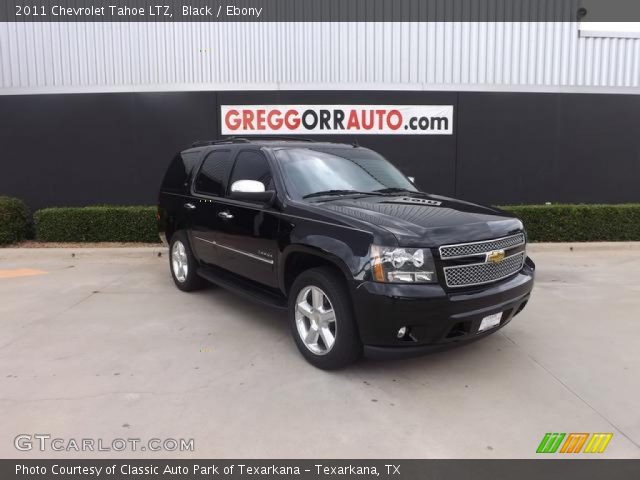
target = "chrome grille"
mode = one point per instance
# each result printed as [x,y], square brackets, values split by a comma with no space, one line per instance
[477,248]
[480,273]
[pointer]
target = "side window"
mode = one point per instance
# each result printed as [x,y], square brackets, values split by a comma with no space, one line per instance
[211,179]
[252,165]
[176,179]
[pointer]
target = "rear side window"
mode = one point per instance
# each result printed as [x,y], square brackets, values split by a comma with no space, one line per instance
[212,177]
[252,165]
[179,172]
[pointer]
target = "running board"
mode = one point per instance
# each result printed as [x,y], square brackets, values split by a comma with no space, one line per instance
[243,287]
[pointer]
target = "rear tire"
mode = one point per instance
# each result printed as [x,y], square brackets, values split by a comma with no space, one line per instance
[183,264]
[321,319]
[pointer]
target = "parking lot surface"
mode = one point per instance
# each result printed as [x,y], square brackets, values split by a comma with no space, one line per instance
[98,343]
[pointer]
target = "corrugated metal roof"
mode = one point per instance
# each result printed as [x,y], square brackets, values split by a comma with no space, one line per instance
[502,56]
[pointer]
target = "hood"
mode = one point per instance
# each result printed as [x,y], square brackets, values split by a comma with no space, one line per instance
[427,220]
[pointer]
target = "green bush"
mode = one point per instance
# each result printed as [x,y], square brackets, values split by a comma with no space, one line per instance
[579,223]
[97,224]
[14,220]
[544,223]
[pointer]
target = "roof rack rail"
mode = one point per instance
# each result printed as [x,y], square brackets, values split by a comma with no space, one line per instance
[281,137]
[202,143]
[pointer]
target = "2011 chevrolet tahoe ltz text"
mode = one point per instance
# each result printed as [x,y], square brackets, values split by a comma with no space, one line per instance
[362,261]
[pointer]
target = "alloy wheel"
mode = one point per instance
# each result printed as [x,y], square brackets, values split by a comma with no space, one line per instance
[179,261]
[315,320]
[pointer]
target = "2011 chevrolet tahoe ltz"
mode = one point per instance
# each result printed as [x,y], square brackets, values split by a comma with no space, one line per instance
[362,261]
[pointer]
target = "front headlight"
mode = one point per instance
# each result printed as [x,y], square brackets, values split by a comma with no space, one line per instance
[402,265]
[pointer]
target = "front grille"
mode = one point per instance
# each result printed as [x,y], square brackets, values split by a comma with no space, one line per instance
[481,273]
[476,248]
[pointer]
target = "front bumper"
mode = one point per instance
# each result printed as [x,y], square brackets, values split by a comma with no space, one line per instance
[437,319]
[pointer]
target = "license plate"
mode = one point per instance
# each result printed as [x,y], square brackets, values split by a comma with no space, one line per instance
[490,321]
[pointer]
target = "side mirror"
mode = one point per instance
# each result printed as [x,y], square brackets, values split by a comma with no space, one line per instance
[251,191]
[412,180]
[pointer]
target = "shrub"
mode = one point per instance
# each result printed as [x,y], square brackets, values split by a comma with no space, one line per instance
[14,220]
[544,223]
[579,223]
[97,224]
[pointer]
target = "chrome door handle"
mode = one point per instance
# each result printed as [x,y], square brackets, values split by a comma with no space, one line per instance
[226,215]
[189,206]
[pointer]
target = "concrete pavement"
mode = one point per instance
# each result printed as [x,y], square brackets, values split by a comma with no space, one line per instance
[102,345]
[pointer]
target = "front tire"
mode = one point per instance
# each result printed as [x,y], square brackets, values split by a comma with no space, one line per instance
[321,319]
[183,264]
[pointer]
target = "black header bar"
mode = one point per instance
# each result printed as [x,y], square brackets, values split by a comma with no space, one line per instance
[587,469]
[319,10]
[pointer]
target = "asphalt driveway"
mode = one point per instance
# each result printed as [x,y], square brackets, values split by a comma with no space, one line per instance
[98,343]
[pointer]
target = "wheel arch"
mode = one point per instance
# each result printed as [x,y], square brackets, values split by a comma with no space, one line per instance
[298,258]
[173,225]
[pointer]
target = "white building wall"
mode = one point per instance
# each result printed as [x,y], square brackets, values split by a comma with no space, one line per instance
[94,57]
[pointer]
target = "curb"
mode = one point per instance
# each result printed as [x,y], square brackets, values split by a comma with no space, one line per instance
[583,246]
[83,252]
[142,252]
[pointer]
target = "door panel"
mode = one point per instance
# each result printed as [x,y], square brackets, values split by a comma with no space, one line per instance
[209,185]
[247,241]
[204,225]
[247,232]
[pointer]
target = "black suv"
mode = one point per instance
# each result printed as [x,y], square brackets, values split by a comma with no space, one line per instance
[362,260]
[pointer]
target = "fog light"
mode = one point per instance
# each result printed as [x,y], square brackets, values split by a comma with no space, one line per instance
[402,332]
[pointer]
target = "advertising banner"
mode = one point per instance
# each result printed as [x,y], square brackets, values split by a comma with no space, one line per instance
[336,119]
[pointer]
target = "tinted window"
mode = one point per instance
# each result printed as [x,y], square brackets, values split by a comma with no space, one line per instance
[252,165]
[177,177]
[213,175]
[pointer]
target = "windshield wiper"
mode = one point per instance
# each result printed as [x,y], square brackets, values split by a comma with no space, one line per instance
[336,192]
[394,190]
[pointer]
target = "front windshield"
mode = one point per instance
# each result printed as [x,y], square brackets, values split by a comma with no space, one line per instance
[338,170]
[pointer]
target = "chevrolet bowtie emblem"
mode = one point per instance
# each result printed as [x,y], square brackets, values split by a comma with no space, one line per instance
[496,256]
